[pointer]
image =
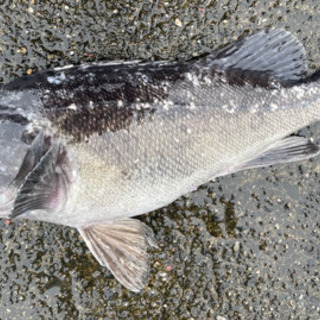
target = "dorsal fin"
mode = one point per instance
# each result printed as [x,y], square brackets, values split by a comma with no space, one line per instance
[274,52]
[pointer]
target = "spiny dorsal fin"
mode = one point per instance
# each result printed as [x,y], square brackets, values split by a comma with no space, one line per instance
[275,52]
[121,246]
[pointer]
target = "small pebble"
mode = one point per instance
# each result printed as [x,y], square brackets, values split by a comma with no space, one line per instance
[236,246]
[178,23]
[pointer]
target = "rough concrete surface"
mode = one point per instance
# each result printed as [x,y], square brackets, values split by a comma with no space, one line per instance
[245,246]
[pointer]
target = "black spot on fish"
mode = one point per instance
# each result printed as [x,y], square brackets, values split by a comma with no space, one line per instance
[80,124]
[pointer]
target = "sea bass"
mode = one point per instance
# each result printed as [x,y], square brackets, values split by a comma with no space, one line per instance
[90,146]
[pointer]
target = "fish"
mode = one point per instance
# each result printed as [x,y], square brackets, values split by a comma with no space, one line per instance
[91,146]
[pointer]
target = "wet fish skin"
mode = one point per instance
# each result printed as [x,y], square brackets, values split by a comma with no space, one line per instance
[107,142]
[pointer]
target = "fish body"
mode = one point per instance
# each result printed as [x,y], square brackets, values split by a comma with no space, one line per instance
[94,145]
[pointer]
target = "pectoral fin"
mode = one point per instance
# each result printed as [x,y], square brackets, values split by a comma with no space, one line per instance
[290,149]
[46,186]
[121,246]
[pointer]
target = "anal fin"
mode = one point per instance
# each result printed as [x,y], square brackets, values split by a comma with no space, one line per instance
[121,246]
[290,149]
